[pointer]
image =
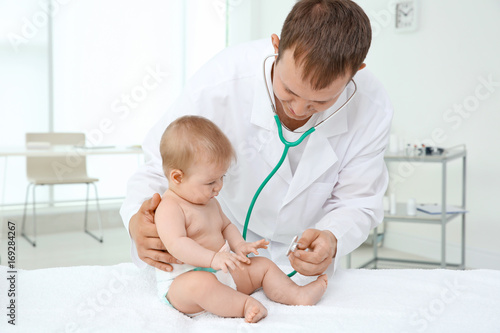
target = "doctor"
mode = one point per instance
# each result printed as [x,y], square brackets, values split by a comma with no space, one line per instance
[330,188]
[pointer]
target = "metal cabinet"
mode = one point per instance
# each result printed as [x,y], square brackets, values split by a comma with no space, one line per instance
[458,153]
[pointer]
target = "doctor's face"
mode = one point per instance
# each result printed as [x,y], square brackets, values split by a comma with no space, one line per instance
[298,101]
[201,182]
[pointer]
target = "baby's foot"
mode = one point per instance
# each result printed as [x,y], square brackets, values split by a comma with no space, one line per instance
[311,293]
[254,310]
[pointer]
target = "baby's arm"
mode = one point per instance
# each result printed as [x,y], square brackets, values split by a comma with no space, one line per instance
[236,241]
[171,225]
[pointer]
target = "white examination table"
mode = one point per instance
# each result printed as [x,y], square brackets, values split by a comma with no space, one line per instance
[122,298]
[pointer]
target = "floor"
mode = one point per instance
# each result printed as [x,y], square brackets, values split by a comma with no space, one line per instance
[71,249]
[78,248]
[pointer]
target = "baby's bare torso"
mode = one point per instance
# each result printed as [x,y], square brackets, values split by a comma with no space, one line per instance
[204,223]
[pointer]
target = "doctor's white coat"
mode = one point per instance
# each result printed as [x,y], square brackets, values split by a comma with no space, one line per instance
[338,184]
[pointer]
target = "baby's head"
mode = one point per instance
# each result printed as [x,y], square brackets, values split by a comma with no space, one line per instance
[193,146]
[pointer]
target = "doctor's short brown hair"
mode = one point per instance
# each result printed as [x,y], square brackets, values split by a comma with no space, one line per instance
[329,39]
[193,138]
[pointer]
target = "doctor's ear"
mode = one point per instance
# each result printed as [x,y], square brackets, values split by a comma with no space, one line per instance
[363,65]
[275,40]
[176,176]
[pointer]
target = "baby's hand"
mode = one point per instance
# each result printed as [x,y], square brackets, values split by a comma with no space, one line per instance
[245,248]
[227,260]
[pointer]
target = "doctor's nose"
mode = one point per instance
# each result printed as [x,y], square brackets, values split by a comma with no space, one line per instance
[301,107]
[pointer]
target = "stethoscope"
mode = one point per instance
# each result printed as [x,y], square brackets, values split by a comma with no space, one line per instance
[287,144]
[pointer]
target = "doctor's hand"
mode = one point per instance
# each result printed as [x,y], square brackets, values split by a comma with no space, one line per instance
[142,229]
[322,245]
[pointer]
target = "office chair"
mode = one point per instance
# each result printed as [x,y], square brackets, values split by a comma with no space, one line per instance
[70,168]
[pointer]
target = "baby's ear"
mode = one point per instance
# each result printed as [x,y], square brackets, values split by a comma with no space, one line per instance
[176,176]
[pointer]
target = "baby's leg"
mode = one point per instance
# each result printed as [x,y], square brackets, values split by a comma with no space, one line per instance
[193,292]
[277,286]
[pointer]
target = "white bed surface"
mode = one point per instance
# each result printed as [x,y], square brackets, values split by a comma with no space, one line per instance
[122,298]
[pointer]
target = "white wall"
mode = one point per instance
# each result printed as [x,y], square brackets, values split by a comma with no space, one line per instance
[256,19]
[429,74]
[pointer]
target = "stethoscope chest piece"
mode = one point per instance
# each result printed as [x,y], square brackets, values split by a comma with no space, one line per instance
[293,246]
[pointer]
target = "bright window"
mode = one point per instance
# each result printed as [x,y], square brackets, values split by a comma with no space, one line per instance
[118,62]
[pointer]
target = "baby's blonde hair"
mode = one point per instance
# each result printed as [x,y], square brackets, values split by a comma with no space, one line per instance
[189,138]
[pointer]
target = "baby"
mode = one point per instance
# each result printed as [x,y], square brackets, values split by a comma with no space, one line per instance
[196,155]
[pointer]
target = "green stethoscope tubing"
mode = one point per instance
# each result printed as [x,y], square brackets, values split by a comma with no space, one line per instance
[287,145]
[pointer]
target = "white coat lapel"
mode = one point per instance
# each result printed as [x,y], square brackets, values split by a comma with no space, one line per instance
[318,156]
[262,111]
[266,137]
[272,151]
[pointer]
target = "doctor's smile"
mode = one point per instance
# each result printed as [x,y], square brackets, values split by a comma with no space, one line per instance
[296,99]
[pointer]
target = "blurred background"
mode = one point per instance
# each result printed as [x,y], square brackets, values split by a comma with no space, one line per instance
[111,68]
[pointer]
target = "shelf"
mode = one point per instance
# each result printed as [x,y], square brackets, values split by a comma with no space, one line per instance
[421,217]
[449,155]
[429,264]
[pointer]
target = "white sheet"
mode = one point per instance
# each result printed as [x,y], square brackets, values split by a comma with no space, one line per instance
[122,298]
